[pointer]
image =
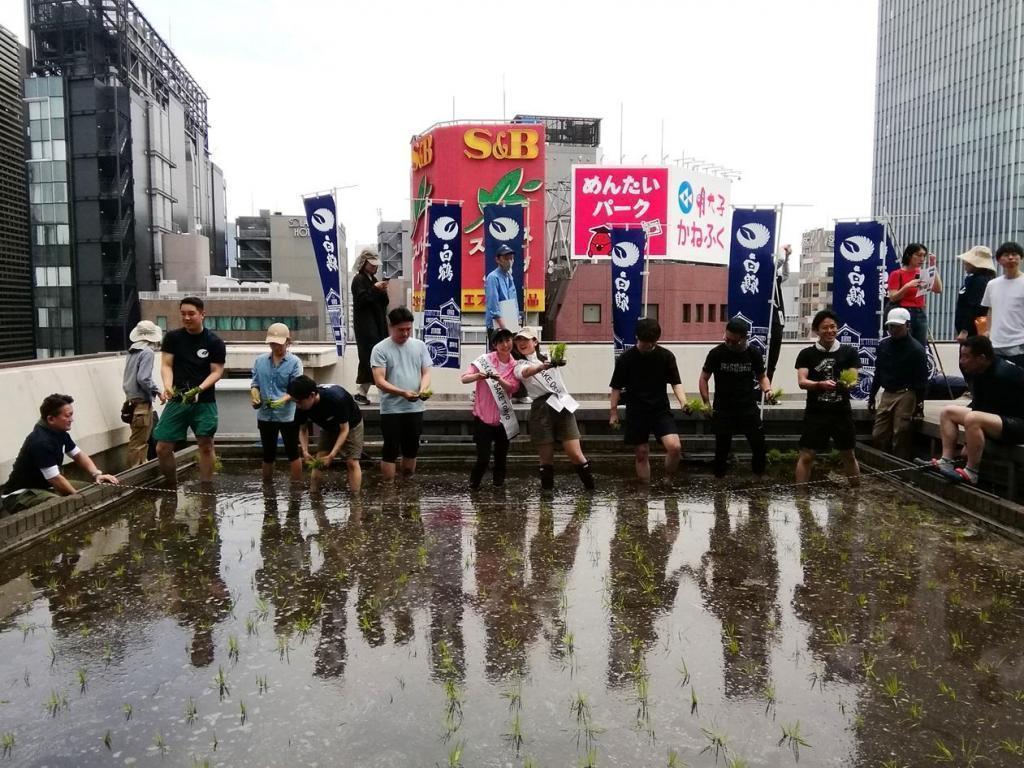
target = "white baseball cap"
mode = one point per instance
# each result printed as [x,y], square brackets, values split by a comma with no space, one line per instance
[897,316]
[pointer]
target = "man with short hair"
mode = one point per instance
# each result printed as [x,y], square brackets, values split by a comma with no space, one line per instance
[335,411]
[901,372]
[401,371]
[1004,298]
[36,474]
[827,415]
[644,371]
[739,375]
[192,363]
[996,410]
[499,286]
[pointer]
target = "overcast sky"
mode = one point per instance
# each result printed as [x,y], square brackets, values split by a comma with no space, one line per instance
[311,94]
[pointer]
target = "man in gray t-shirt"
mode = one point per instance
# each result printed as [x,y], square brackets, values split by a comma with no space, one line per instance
[401,371]
[1004,298]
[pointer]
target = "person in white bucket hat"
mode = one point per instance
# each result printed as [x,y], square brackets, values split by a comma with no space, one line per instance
[139,388]
[979,269]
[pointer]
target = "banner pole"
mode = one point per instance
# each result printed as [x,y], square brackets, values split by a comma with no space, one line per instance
[772,304]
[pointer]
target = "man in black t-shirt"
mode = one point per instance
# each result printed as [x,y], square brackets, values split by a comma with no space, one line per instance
[36,474]
[739,376]
[996,410]
[192,362]
[827,415]
[341,422]
[644,371]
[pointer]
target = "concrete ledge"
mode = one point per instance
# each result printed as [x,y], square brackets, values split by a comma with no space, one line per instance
[31,526]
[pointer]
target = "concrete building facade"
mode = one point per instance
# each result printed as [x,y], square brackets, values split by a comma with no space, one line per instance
[948,159]
[817,263]
[16,311]
[119,156]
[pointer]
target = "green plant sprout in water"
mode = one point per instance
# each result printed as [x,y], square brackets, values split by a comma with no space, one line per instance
[191,711]
[791,734]
[7,743]
[717,742]
[221,680]
[233,648]
[160,743]
[83,680]
[127,710]
[56,702]
[455,755]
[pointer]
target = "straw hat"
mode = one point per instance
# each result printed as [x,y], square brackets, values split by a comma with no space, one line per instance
[146,330]
[979,257]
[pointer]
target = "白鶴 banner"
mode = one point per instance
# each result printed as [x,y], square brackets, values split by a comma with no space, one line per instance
[628,248]
[752,271]
[504,225]
[442,312]
[323,232]
[855,299]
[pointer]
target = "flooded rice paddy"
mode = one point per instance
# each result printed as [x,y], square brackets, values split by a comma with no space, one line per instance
[422,626]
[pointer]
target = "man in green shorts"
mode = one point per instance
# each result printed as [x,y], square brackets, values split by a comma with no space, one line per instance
[191,365]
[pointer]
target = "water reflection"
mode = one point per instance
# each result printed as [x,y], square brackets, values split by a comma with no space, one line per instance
[880,626]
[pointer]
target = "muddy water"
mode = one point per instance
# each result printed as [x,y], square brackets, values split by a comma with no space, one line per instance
[421,626]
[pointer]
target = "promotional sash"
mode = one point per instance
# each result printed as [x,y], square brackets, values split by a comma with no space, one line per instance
[501,398]
[558,396]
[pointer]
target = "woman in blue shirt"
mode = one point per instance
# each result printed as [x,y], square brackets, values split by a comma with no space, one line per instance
[272,372]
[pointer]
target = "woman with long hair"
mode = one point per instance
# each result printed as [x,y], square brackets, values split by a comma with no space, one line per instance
[552,416]
[907,288]
[979,268]
[494,419]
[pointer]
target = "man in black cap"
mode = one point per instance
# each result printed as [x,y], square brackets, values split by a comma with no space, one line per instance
[499,289]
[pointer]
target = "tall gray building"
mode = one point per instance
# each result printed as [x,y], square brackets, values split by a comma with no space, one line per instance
[118,157]
[16,336]
[949,133]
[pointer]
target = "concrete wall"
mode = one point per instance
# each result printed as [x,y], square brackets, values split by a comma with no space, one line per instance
[187,260]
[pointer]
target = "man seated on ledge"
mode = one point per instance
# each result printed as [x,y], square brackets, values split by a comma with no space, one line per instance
[36,474]
[996,410]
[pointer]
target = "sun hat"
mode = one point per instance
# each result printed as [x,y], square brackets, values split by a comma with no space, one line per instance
[897,316]
[278,333]
[367,256]
[979,257]
[146,330]
[527,333]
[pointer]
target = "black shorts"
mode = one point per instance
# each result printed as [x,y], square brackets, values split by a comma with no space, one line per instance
[736,422]
[1013,430]
[836,426]
[269,431]
[639,426]
[401,433]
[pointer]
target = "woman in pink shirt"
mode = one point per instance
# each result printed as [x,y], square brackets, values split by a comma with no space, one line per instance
[907,289]
[494,419]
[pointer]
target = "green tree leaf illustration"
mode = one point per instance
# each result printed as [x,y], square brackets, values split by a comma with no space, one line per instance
[474,226]
[516,200]
[507,185]
[419,205]
[484,197]
[533,185]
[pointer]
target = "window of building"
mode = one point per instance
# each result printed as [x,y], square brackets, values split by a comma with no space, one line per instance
[652,311]
[723,311]
[686,313]
[161,320]
[43,317]
[711,312]
[591,313]
[700,313]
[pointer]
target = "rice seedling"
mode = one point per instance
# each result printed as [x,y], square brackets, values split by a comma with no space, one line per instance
[984,617]
[943,754]
[862,600]
[251,627]
[718,742]
[892,687]
[915,711]
[696,405]
[514,736]
[221,680]
[849,378]
[426,394]
[242,712]
[83,679]
[191,711]
[791,735]
[314,463]
[7,743]
[233,648]
[56,702]
[126,709]
[303,625]
[557,351]
[673,759]
[684,673]
[736,762]
[53,654]
[768,694]
[947,691]
[107,741]
[733,642]
[160,743]
[837,635]
[262,686]
[693,701]
[455,755]
[514,695]
[589,760]
[957,640]
[1012,747]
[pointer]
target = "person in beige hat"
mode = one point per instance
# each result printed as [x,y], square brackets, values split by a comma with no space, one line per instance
[979,268]
[272,372]
[139,388]
[369,316]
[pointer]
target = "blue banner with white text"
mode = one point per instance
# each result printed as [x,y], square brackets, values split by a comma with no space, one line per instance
[323,232]
[752,271]
[628,250]
[442,311]
[504,225]
[858,258]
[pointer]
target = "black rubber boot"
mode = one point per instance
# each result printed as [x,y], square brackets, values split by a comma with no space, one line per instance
[586,475]
[547,476]
[499,477]
[475,476]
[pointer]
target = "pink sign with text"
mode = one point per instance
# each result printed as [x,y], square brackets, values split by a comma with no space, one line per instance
[606,196]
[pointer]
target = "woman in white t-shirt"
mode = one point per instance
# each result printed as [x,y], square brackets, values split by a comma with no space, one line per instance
[551,414]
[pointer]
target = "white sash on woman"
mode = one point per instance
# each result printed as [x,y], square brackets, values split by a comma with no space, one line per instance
[501,398]
[551,380]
